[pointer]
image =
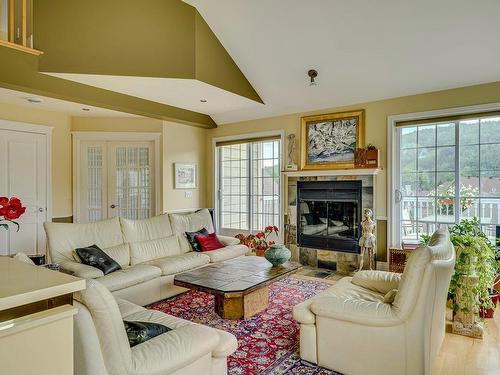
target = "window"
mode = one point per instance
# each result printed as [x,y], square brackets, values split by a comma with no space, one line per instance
[16,22]
[447,171]
[248,185]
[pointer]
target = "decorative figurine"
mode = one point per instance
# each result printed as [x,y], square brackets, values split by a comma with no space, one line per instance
[291,166]
[368,241]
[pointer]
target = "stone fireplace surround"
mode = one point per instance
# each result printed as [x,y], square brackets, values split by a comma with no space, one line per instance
[343,263]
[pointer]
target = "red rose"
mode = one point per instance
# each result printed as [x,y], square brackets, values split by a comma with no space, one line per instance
[15,202]
[12,209]
[260,235]
[275,228]
[4,201]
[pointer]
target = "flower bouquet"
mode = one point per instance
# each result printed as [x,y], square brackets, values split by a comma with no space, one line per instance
[259,242]
[10,210]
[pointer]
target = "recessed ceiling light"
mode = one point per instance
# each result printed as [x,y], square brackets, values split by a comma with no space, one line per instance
[34,100]
[85,109]
[203,100]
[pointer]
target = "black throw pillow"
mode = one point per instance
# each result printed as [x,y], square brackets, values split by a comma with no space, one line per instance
[139,332]
[95,257]
[192,240]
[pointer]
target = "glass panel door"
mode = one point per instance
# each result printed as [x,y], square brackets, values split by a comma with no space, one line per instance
[130,188]
[115,179]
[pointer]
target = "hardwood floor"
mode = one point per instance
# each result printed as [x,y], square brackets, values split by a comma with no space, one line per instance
[462,355]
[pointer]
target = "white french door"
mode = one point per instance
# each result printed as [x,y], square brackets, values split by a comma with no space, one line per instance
[115,179]
[24,174]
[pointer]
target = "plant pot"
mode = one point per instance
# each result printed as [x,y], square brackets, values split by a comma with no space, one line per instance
[277,254]
[490,312]
[260,252]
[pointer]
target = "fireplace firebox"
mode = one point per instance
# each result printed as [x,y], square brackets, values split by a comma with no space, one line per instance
[329,215]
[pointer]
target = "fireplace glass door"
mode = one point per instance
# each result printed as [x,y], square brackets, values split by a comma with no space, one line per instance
[328,215]
[329,218]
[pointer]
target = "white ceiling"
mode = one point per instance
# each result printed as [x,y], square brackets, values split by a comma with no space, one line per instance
[364,50]
[55,105]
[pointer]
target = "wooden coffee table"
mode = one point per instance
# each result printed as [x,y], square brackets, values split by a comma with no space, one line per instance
[240,285]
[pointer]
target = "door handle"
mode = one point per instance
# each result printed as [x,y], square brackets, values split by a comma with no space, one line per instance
[41,209]
[113,206]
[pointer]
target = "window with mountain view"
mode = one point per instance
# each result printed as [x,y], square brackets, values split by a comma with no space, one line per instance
[248,185]
[448,170]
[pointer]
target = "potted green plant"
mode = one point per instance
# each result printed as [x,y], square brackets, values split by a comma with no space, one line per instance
[475,254]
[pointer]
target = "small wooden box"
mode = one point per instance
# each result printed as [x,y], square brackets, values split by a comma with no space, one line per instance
[364,158]
[397,259]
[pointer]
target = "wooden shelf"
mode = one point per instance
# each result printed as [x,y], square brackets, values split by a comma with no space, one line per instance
[20,48]
[334,172]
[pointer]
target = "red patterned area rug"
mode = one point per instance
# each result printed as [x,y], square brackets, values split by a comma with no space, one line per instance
[267,343]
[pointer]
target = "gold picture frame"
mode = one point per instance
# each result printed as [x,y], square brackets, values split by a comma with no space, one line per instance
[316,149]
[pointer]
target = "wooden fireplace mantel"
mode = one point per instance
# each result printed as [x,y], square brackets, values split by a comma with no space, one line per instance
[334,172]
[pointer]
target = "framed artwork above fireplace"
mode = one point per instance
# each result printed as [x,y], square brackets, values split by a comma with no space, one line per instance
[329,141]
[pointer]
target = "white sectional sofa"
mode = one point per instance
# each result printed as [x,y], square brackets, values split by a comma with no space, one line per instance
[102,347]
[150,252]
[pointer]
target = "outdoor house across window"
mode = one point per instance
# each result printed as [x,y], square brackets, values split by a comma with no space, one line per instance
[248,184]
[447,170]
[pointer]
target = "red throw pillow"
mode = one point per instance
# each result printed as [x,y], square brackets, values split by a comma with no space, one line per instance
[208,242]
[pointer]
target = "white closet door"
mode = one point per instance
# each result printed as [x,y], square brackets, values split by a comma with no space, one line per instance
[131,180]
[23,166]
[116,179]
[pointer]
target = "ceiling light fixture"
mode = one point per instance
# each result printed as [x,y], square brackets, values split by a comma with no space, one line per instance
[203,100]
[312,75]
[34,100]
[85,109]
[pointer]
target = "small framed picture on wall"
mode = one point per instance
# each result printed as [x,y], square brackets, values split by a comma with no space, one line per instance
[185,175]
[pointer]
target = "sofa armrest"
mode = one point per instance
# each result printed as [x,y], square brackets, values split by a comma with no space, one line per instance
[81,270]
[369,313]
[377,281]
[228,241]
[174,350]
[227,344]
[302,312]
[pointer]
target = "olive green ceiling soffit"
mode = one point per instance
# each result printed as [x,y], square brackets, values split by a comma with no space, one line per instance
[19,71]
[157,39]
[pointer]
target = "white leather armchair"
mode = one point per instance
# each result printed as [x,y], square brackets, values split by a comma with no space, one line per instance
[349,328]
[101,346]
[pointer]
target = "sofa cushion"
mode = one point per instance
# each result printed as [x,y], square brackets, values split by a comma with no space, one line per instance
[226,253]
[63,238]
[129,276]
[120,253]
[180,263]
[144,251]
[343,288]
[146,229]
[192,222]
